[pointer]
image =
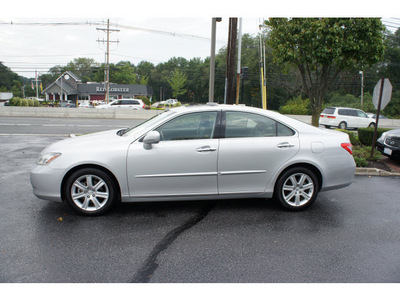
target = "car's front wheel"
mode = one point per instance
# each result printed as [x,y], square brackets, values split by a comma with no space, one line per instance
[90,191]
[297,188]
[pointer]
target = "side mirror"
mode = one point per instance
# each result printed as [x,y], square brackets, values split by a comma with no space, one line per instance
[153,137]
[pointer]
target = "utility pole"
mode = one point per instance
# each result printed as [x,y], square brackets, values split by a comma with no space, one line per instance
[362,88]
[239,62]
[212,58]
[230,62]
[107,67]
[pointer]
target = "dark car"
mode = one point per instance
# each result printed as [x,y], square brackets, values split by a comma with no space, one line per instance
[7,103]
[389,144]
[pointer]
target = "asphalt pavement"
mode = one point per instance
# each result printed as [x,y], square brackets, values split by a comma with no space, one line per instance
[349,235]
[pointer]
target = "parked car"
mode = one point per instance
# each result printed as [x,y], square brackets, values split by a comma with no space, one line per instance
[135,104]
[7,103]
[171,102]
[68,103]
[389,144]
[196,153]
[345,117]
[373,116]
[85,104]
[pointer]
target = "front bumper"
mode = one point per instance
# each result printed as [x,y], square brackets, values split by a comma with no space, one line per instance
[46,183]
[392,152]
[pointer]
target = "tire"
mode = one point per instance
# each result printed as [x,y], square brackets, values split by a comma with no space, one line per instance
[372,125]
[90,191]
[297,189]
[327,126]
[343,125]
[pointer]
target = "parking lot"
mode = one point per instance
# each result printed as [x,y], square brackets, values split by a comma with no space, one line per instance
[348,235]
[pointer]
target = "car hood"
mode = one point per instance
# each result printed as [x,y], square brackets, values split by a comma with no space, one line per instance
[87,141]
[394,132]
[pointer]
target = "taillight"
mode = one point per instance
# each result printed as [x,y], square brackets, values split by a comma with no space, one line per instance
[321,116]
[331,117]
[348,147]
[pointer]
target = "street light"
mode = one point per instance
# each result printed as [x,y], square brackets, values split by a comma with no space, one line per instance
[66,77]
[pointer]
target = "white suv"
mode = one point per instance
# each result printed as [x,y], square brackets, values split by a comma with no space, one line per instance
[345,117]
[135,104]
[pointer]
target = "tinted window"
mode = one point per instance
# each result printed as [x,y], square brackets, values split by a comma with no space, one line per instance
[329,111]
[361,114]
[189,126]
[284,131]
[239,124]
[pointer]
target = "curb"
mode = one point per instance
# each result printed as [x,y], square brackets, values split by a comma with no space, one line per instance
[374,172]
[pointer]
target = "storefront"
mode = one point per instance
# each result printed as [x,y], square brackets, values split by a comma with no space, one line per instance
[69,87]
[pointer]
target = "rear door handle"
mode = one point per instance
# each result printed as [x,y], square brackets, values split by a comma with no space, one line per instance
[206,149]
[285,145]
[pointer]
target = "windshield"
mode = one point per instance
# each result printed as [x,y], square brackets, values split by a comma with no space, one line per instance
[147,124]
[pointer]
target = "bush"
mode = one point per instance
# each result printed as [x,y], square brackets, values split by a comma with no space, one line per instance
[362,154]
[14,101]
[366,135]
[361,162]
[23,102]
[296,106]
[145,100]
[354,140]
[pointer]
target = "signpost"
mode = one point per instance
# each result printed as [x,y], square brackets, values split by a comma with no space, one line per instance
[380,98]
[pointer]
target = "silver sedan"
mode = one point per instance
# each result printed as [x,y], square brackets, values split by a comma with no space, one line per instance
[194,153]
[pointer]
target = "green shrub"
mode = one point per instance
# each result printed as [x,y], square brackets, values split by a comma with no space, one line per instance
[296,106]
[366,135]
[354,140]
[362,154]
[14,101]
[361,162]
[145,100]
[23,102]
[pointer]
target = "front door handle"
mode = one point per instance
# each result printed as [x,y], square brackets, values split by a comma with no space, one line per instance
[206,149]
[285,145]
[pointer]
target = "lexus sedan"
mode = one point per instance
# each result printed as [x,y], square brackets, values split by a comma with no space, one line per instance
[194,153]
[389,144]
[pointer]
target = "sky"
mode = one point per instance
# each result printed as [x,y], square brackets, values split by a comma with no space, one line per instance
[151,31]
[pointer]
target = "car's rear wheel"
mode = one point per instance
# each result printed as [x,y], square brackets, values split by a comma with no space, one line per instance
[90,191]
[343,125]
[297,188]
[372,125]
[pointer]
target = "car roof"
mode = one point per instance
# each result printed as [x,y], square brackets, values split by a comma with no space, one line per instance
[341,107]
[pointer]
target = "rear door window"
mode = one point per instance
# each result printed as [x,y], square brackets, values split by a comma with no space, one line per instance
[329,111]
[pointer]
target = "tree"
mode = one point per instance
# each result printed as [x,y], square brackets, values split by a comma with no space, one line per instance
[82,67]
[178,82]
[123,73]
[321,48]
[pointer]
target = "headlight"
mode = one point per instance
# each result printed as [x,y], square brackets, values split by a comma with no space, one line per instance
[383,136]
[47,158]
